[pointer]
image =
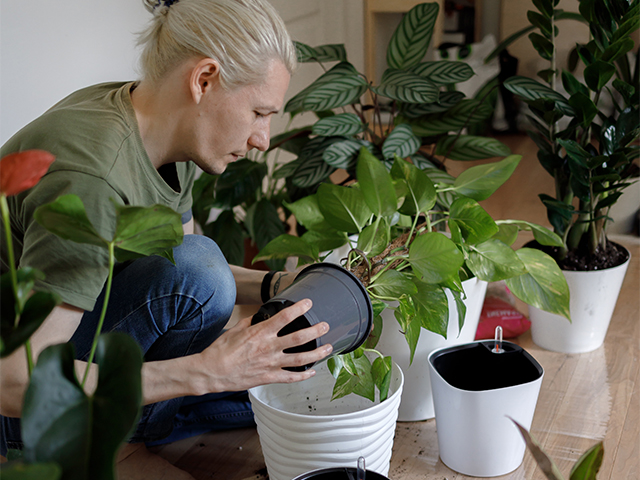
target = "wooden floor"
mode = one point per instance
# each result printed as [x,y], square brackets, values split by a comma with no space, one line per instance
[584,398]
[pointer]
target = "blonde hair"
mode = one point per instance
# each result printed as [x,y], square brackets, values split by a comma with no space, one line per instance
[243,36]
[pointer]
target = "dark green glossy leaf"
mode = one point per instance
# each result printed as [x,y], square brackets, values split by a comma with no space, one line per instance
[67,218]
[475,224]
[401,142]
[542,22]
[406,87]
[543,46]
[598,74]
[545,7]
[421,195]
[286,246]
[572,85]
[432,308]
[292,141]
[544,286]
[342,124]
[267,225]
[239,182]
[434,257]
[617,50]
[410,41]
[444,72]
[376,184]
[584,107]
[469,147]
[479,182]
[344,208]
[229,236]
[628,26]
[493,261]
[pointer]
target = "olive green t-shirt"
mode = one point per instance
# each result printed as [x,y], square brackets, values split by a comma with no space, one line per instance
[94,136]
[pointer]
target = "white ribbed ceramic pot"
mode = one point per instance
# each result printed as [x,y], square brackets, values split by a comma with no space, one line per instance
[417,401]
[593,298]
[475,392]
[301,429]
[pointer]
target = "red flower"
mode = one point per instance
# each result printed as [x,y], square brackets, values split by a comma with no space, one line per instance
[21,171]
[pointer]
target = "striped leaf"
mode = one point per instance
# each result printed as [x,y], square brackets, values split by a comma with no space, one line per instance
[343,69]
[442,179]
[338,93]
[410,41]
[466,112]
[406,87]
[322,53]
[344,154]
[444,72]
[401,142]
[343,124]
[312,169]
[470,147]
[531,90]
[444,103]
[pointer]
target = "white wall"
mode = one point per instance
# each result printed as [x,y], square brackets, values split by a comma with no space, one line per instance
[49,48]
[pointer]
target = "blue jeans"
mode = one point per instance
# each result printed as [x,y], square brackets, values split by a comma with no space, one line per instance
[171,311]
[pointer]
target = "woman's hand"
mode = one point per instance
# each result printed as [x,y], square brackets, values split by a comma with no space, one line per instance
[248,355]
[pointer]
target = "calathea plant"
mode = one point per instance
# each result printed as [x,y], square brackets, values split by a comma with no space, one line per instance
[406,265]
[591,157]
[66,432]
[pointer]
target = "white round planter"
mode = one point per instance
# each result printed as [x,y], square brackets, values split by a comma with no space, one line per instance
[417,401]
[475,392]
[593,298]
[301,429]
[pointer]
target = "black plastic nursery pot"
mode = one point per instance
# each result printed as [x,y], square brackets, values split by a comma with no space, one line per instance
[339,299]
[338,473]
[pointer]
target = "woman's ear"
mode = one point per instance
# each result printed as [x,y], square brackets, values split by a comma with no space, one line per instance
[203,77]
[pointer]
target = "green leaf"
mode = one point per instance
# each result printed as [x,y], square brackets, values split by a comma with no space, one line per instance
[239,182]
[476,225]
[588,465]
[307,213]
[337,93]
[584,107]
[393,284]
[376,184]
[286,246]
[374,238]
[470,147]
[344,154]
[325,240]
[543,235]
[432,308]
[67,218]
[465,112]
[401,142]
[625,30]
[374,336]
[142,231]
[410,41]
[337,72]
[598,74]
[460,307]
[322,53]
[446,101]
[572,85]
[312,168]
[267,226]
[544,286]
[341,124]
[406,87]
[507,234]
[532,90]
[344,208]
[618,49]
[83,434]
[434,257]
[360,384]
[479,182]
[444,72]
[542,22]
[228,234]
[421,191]
[545,7]
[542,459]
[381,371]
[19,470]
[493,261]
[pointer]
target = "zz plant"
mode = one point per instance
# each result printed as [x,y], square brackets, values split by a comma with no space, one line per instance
[68,433]
[591,157]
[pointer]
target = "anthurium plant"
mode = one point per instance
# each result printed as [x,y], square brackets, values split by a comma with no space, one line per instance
[406,264]
[68,433]
[591,156]
[585,468]
[413,107]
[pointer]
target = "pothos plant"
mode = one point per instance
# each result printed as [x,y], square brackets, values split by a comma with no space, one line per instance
[66,432]
[406,265]
[415,106]
[591,157]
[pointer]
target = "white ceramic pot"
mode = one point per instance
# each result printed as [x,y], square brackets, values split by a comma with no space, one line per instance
[475,392]
[593,298]
[301,429]
[417,402]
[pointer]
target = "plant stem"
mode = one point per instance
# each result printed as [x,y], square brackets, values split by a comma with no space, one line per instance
[10,256]
[29,351]
[105,303]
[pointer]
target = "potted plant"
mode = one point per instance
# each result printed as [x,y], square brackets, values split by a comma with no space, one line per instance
[66,432]
[402,200]
[590,159]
